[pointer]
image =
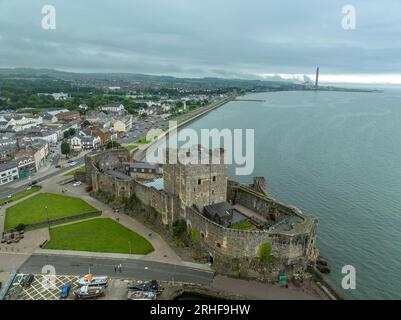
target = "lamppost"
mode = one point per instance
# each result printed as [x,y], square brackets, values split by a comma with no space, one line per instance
[47,215]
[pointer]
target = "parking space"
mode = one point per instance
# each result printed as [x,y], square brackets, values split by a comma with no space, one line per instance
[47,288]
[42,288]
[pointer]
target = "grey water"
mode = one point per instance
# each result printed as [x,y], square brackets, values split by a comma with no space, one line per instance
[336,155]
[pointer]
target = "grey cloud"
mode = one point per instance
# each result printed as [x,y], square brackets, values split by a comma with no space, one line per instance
[230,38]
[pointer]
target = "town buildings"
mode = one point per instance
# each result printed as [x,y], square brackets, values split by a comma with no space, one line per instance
[8,172]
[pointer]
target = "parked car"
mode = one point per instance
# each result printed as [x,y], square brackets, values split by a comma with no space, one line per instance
[72,164]
[65,291]
[27,281]
[18,280]
[77,184]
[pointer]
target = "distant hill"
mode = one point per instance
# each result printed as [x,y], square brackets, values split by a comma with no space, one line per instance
[31,73]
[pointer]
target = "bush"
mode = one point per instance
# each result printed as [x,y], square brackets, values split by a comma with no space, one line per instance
[194,236]
[264,252]
[20,227]
[179,228]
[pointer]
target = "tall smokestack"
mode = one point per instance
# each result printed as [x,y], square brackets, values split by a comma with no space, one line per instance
[317,77]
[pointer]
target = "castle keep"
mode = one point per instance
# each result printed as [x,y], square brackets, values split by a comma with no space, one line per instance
[229,220]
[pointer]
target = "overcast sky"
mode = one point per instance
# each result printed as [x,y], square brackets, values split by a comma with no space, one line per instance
[224,38]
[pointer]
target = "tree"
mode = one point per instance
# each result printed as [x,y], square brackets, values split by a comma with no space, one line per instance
[112,144]
[179,228]
[65,148]
[86,123]
[66,134]
[71,131]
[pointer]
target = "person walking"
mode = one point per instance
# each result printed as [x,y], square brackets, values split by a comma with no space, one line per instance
[115,269]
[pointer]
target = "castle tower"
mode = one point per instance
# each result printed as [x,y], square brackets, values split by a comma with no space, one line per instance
[198,183]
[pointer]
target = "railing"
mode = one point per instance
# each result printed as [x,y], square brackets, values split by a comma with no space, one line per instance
[51,221]
[7,285]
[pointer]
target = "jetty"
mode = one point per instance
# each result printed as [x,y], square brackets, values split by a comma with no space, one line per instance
[250,100]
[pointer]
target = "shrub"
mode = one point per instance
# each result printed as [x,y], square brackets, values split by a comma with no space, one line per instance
[179,228]
[20,227]
[264,251]
[194,236]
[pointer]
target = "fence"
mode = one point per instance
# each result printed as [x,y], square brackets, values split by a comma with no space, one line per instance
[6,286]
[52,221]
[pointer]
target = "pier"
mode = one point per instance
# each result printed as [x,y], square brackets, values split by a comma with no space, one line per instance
[250,100]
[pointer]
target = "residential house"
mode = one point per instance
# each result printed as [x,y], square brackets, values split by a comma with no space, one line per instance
[39,150]
[104,135]
[8,172]
[89,142]
[83,107]
[76,143]
[26,165]
[113,107]
[68,116]
[122,124]
[20,122]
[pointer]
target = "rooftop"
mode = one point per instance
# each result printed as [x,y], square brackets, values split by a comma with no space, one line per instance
[119,175]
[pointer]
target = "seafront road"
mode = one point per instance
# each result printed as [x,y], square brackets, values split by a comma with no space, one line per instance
[131,268]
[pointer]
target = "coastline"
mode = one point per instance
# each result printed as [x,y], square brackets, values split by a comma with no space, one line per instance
[140,153]
[321,281]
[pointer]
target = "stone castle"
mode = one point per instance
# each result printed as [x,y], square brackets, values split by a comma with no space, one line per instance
[227,219]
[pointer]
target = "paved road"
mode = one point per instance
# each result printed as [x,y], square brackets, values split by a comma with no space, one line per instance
[136,269]
[9,190]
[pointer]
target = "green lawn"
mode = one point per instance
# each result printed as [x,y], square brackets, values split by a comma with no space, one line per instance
[143,141]
[33,209]
[98,235]
[21,195]
[72,172]
[245,225]
[132,147]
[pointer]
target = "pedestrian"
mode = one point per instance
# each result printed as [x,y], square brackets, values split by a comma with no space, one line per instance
[115,269]
[120,267]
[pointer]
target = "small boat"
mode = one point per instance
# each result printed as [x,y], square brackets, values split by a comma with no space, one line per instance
[152,286]
[87,292]
[90,280]
[141,295]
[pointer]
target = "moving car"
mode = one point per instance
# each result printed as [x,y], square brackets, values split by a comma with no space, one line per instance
[90,280]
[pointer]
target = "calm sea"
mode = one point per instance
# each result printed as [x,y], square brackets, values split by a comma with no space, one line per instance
[335,155]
